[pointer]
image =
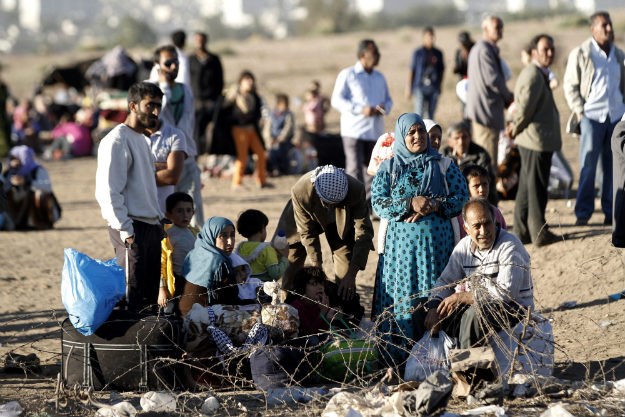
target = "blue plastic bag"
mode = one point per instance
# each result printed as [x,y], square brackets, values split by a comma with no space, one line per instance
[90,288]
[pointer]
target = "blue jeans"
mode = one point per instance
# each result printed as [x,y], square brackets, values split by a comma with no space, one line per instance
[422,100]
[594,144]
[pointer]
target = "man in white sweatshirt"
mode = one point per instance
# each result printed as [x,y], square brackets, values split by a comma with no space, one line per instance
[126,192]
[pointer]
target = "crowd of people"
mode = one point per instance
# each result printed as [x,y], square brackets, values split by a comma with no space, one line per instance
[432,190]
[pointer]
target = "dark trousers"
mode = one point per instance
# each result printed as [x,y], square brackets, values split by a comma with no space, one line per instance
[357,157]
[472,324]
[204,112]
[144,264]
[531,197]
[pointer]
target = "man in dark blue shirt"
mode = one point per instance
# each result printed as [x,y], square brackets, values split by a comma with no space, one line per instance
[426,76]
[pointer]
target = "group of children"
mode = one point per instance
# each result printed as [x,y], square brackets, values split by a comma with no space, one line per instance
[254,262]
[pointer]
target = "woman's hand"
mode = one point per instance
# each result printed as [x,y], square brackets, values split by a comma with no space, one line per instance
[422,206]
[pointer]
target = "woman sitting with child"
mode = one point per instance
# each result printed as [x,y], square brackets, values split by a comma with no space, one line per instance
[208,269]
[31,203]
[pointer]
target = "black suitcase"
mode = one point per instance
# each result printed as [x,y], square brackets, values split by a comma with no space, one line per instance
[127,353]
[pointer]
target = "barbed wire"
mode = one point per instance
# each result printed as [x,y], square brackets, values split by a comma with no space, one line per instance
[229,379]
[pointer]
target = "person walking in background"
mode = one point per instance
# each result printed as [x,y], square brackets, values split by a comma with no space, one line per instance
[207,84]
[536,133]
[362,97]
[243,106]
[594,88]
[178,110]
[487,94]
[125,189]
[426,76]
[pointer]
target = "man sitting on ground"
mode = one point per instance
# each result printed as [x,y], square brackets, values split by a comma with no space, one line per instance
[501,288]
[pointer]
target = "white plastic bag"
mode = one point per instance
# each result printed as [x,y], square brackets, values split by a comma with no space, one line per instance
[428,355]
[158,401]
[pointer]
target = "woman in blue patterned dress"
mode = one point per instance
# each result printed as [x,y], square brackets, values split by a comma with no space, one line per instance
[418,192]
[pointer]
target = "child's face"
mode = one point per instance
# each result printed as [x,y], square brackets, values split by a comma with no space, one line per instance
[226,239]
[315,290]
[181,214]
[281,106]
[478,186]
[240,274]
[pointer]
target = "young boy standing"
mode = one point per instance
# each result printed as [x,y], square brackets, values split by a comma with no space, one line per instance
[180,240]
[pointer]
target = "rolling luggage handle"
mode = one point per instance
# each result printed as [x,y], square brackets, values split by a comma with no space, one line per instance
[127,253]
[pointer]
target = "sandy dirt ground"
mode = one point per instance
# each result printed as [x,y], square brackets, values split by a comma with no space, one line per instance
[584,268]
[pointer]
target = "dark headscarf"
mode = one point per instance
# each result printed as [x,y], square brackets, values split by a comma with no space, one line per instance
[432,181]
[203,264]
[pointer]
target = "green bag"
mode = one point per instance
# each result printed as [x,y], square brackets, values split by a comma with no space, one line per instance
[347,355]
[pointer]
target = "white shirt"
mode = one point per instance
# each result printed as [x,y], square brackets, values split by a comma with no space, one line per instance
[166,140]
[125,185]
[504,269]
[605,97]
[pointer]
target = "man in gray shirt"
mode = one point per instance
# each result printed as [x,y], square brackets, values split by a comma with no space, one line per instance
[491,271]
[487,94]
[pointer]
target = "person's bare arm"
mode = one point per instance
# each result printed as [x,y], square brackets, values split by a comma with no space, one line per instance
[172,172]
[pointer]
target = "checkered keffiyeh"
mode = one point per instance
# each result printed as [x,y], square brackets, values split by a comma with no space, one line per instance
[330,183]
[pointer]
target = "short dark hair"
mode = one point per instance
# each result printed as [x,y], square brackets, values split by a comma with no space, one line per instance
[534,42]
[597,14]
[428,29]
[173,199]
[306,275]
[281,97]
[246,74]
[204,35]
[474,170]
[363,45]
[139,91]
[178,38]
[459,126]
[251,222]
[478,201]
[160,49]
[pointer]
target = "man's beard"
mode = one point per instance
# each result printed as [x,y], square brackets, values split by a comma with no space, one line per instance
[147,120]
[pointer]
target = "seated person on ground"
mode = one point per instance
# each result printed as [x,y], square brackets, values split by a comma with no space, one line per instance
[267,263]
[176,245]
[500,290]
[318,304]
[31,203]
[478,182]
[250,288]
[208,268]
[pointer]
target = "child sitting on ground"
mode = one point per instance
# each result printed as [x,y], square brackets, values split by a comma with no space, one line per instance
[312,301]
[267,263]
[250,288]
[180,240]
[318,304]
[478,181]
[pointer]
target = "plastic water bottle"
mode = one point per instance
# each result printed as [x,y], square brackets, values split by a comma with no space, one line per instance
[280,242]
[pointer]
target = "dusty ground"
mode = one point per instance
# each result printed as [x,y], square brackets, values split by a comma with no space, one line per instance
[584,267]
